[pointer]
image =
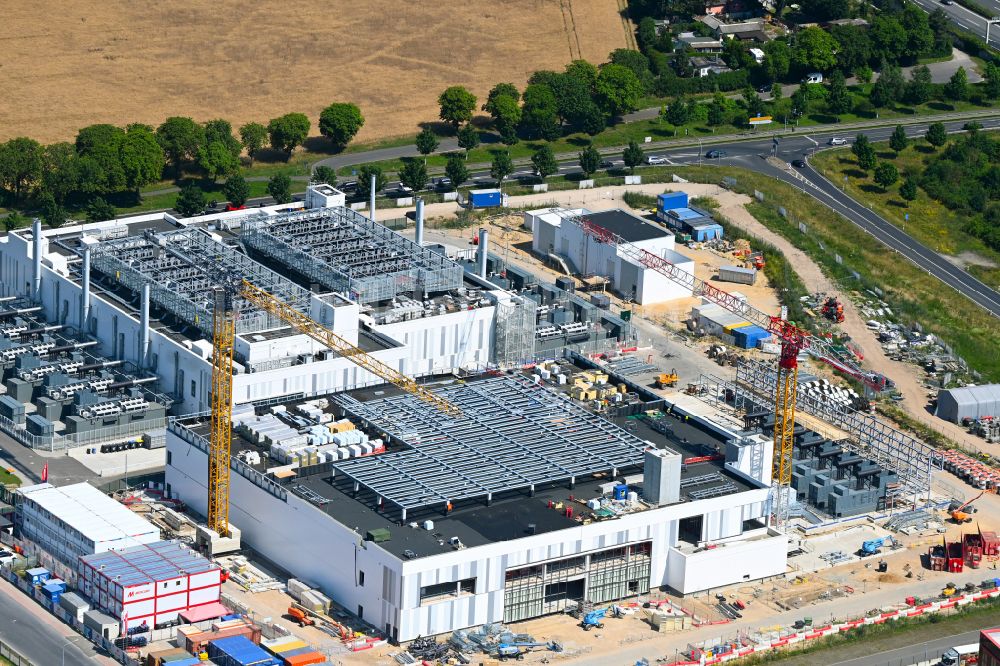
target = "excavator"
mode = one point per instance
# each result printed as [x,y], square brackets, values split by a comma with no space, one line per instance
[958,516]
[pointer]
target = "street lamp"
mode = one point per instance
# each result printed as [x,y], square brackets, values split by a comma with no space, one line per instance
[989,22]
[69,641]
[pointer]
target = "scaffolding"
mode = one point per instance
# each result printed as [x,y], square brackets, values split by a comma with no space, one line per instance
[182,268]
[912,460]
[513,435]
[343,251]
[514,339]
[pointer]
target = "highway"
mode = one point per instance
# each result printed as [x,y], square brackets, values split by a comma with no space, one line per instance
[912,654]
[966,18]
[39,636]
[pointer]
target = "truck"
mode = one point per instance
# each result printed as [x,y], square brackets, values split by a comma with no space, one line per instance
[485,198]
[961,655]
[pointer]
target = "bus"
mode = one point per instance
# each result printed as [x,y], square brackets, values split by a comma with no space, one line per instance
[961,655]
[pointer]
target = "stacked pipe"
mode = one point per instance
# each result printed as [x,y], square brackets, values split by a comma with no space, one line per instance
[823,391]
[975,472]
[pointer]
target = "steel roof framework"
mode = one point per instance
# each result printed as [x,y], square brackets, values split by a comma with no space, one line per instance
[346,252]
[514,435]
[183,267]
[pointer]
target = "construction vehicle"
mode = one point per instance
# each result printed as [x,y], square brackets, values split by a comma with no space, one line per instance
[300,617]
[794,340]
[833,310]
[507,651]
[874,546]
[223,336]
[667,379]
[594,617]
[755,260]
[949,591]
[958,516]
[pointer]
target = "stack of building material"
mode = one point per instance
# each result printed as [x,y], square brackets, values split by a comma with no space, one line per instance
[171,657]
[308,597]
[293,652]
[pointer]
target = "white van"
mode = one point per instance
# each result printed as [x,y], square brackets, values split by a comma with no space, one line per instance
[815,77]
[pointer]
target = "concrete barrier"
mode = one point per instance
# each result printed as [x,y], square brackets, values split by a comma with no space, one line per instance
[633,180]
[359,205]
[403,202]
[540,187]
[450,196]
[586,184]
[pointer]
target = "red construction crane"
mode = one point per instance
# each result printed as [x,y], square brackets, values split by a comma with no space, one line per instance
[794,340]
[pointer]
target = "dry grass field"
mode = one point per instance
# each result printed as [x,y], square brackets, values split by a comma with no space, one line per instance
[69,63]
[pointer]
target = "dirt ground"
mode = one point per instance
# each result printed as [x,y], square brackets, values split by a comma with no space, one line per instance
[67,65]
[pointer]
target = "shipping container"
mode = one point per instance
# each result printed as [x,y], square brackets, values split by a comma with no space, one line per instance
[738,274]
[303,658]
[749,337]
[672,200]
[729,328]
[239,651]
[484,198]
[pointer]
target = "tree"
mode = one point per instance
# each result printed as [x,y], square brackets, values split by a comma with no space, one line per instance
[920,87]
[908,190]
[919,36]
[221,131]
[252,136]
[142,158]
[777,59]
[888,38]
[815,49]
[544,161]
[99,210]
[854,48]
[280,188]
[800,100]
[21,165]
[456,170]
[365,177]
[827,10]
[889,88]
[991,75]
[501,167]
[324,174]
[591,119]
[61,170]
[15,220]
[754,104]
[540,113]
[190,202]
[936,135]
[838,97]
[414,175]
[573,99]
[288,131]
[717,110]
[863,74]
[427,142]
[864,152]
[498,91]
[618,89]
[775,92]
[590,161]
[100,164]
[633,155]
[339,122]
[217,160]
[457,105]
[632,59]
[898,140]
[736,54]
[506,118]
[52,213]
[468,139]
[583,70]
[180,137]
[957,87]
[886,174]
[237,190]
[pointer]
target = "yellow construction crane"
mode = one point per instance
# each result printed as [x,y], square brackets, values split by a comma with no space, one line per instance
[223,334]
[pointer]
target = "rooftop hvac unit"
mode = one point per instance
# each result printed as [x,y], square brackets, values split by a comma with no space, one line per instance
[129,405]
[100,410]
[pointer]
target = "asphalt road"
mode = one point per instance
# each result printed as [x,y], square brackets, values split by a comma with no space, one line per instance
[913,654]
[967,19]
[37,635]
[752,155]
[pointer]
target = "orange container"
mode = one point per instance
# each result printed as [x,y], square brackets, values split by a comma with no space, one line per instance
[304,659]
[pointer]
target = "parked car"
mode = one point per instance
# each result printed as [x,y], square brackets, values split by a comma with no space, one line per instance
[607,164]
[6,557]
[947,2]
[815,77]
[799,164]
[404,190]
[348,186]
[837,141]
[656,159]
[443,183]
[764,89]
[716,154]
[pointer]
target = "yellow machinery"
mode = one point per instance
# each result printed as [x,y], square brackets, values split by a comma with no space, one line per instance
[667,379]
[220,440]
[223,335]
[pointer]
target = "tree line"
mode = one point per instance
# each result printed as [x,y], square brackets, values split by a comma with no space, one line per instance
[107,162]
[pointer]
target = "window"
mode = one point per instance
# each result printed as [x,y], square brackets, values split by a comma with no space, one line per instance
[441,591]
[361,578]
[194,389]
[467,586]
[169,457]
[361,611]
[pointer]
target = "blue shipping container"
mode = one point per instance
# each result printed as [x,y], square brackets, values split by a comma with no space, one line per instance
[239,651]
[484,198]
[706,232]
[671,200]
[38,575]
[748,337]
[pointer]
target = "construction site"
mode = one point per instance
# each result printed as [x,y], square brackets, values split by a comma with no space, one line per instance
[383,438]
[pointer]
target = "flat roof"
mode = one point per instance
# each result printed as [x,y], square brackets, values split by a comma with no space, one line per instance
[626,225]
[148,563]
[685,213]
[87,510]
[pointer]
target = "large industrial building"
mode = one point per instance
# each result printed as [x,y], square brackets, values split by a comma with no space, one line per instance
[558,236]
[523,505]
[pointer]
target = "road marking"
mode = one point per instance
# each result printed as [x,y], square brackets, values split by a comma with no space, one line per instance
[815,142]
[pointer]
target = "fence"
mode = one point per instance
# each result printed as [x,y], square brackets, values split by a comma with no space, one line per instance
[8,653]
[96,436]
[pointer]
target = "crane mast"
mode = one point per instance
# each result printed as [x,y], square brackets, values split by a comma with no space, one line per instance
[220,439]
